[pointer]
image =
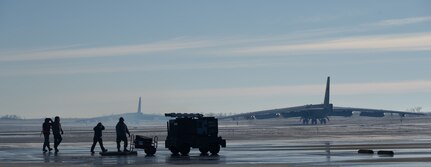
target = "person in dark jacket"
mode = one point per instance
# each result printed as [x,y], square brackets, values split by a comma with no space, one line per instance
[46,130]
[122,130]
[98,137]
[57,131]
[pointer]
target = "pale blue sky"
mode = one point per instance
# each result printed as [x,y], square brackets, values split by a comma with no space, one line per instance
[90,58]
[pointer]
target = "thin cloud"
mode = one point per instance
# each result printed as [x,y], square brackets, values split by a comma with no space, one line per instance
[405,42]
[301,42]
[171,45]
[404,21]
[96,69]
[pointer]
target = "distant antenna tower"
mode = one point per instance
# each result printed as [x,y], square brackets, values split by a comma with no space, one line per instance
[139,106]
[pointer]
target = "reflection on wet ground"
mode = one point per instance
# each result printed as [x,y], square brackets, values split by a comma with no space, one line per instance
[237,152]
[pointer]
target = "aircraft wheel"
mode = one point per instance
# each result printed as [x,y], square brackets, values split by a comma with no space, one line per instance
[214,148]
[174,150]
[185,149]
[150,151]
[322,121]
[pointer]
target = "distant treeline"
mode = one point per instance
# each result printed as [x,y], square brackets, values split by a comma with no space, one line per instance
[414,109]
[10,117]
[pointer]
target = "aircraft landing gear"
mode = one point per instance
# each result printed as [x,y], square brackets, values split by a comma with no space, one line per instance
[305,121]
[314,121]
[322,121]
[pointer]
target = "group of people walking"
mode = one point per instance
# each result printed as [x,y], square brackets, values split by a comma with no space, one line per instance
[121,130]
[57,131]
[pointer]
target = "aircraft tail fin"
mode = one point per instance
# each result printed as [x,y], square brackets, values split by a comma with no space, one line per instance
[139,106]
[326,101]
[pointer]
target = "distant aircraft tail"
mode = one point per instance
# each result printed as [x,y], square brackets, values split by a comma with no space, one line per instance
[139,106]
[326,101]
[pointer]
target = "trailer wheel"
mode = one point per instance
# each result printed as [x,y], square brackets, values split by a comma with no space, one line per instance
[214,148]
[150,150]
[203,150]
[174,150]
[185,149]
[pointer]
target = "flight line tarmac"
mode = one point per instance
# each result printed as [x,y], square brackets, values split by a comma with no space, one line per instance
[249,143]
[293,153]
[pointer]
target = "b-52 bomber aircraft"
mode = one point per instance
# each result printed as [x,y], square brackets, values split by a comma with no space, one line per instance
[314,113]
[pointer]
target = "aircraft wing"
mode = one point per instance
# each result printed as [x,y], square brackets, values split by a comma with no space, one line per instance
[274,113]
[298,111]
[347,111]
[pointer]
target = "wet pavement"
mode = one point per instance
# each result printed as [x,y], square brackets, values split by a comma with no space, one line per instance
[302,153]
